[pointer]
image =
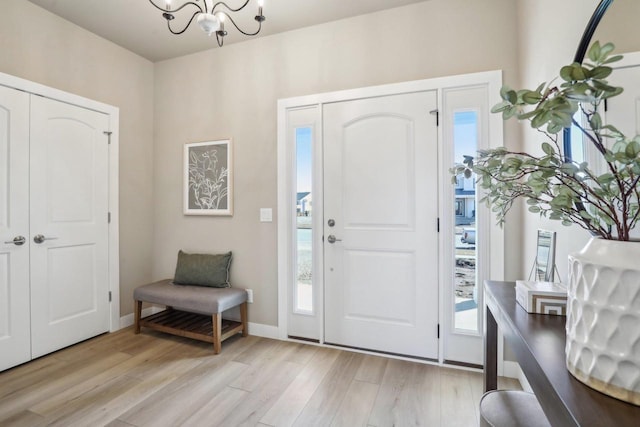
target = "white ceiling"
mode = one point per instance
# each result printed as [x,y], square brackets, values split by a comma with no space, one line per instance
[139,27]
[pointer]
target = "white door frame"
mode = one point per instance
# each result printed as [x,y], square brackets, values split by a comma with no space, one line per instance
[114,126]
[309,325]
[457,342]
[496,236]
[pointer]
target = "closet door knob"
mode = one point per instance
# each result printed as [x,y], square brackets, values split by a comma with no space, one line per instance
[18,241]
[39,238]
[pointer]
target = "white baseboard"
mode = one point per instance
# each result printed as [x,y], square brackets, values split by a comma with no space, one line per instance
[523,381]
[510,369]
[256,329]
[513,370]
[127,320]
[264,331]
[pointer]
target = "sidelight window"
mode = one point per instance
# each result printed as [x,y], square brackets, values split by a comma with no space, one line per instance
[304,214]
[465,140]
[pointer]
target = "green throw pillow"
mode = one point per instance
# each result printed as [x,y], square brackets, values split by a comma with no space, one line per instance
[203,270]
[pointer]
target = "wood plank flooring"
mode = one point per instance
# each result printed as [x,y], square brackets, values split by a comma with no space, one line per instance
[154,379]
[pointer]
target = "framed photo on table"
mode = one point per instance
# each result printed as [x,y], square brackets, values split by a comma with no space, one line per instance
[545,256]
[208,178]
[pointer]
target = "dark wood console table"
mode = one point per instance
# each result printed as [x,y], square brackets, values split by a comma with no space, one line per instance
[538,341]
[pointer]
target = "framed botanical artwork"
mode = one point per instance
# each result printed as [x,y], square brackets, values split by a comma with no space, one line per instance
[208,178]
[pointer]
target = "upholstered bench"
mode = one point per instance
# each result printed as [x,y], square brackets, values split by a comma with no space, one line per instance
[192,311]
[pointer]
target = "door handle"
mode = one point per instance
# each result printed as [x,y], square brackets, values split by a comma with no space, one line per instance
[39,238]
[332,239]
[18,241]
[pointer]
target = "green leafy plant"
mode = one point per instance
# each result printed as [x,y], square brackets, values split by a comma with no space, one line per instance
[605,202]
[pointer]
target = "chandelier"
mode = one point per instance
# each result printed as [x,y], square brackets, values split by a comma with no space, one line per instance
[210,18]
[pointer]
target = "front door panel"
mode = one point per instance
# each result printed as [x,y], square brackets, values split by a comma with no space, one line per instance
[381,271]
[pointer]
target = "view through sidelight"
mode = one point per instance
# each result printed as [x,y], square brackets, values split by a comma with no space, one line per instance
[303,298]
[465,139]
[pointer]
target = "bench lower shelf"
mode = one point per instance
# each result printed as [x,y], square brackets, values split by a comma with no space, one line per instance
[190,325]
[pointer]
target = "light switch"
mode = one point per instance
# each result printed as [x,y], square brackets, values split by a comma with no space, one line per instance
[266,215]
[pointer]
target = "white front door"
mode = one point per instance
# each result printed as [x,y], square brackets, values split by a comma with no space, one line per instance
[15,343]
[69,225]
[381,207]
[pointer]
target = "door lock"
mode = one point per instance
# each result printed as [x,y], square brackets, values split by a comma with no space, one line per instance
[332,239]
[331,222]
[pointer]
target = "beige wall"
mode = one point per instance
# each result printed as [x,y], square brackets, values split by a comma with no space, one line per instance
[38,46]
[620,26]
[232,92]
[549,35]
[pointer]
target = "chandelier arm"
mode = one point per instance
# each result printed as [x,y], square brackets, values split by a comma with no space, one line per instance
[221,3]
[178,9]
[185,27]
[219,39]
[243,32]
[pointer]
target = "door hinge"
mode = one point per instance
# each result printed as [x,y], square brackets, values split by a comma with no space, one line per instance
[437,114]
[108,217]
[109,296]
[606,105]
[106,132]
[438,330]
[438,225]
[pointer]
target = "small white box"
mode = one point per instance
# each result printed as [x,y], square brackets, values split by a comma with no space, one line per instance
[542,297]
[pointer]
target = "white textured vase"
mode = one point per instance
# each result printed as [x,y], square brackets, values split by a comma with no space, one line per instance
[603,318]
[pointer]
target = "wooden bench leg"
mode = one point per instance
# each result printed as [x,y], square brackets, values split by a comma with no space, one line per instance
[216,319]
[243,319]
[138,314]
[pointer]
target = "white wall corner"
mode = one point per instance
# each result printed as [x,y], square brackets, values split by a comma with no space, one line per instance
[523,381]
[513,370]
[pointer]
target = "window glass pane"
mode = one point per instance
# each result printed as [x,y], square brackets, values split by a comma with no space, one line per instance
[577,146]
[304,210]
[465,140]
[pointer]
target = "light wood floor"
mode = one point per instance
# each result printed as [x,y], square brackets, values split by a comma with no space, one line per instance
[155,379]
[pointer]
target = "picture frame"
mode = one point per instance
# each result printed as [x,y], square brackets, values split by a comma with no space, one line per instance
[545,256]
[208,178]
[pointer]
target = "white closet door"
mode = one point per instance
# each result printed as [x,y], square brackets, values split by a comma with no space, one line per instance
[69,227]
[15,344]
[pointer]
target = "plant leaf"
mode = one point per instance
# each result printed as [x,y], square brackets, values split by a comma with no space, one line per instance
[547,148]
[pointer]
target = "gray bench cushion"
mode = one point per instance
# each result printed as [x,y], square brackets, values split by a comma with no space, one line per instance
[196,299]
